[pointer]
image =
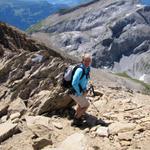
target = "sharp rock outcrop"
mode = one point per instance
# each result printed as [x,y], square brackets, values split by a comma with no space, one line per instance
[30,72]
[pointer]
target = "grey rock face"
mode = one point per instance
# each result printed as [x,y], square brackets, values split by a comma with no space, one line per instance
[31,74]
[109,30]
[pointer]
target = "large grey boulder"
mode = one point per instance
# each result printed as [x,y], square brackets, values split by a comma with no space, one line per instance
[47,101]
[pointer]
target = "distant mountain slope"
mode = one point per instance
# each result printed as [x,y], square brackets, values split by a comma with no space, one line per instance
[70,3]
[116,33]
[24,13]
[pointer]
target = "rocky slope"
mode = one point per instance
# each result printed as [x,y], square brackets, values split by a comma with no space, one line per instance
[35,111]
[27,68]
[122,123]
[116,33]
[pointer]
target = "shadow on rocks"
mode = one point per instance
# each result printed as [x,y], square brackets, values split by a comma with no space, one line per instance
[91,121]
[63,113]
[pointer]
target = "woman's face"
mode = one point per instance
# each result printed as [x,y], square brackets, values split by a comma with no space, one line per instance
[87,62]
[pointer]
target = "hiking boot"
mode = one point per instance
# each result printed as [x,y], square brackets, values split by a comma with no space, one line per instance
[71,114]
[77,122]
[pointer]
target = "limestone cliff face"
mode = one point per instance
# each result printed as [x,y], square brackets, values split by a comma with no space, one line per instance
[112,31]
[29,71]
[14,40]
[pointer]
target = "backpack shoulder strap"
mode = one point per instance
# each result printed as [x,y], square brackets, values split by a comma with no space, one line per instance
[83,72]
[75,68]
[88,72]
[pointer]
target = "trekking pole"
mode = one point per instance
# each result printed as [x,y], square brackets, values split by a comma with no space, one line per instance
[95,107]
[91,89]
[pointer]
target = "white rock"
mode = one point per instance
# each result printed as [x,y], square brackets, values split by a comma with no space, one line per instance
[126,136]
[15,120]
[37,58]
[125,143]
[15,115]
[4,119]
[102,131]
[119,127]
[37,120]
[76,141]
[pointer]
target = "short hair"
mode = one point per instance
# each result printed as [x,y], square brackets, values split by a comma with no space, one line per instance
[86,55]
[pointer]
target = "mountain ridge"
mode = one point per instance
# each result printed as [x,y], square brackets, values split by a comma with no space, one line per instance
[108,30]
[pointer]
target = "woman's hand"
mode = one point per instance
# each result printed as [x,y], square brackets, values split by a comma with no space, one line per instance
[85,93]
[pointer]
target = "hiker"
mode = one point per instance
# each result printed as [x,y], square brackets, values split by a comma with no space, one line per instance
[80,89]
